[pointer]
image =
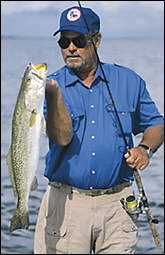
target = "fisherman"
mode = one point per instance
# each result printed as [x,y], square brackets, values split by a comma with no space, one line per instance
[88,166]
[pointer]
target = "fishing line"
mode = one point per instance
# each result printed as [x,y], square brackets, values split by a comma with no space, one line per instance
[106,82]
[151,220]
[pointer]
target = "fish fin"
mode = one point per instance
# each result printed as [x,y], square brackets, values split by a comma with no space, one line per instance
[34,184]
[33,118]
[43,125]
[20,220]
[9,164]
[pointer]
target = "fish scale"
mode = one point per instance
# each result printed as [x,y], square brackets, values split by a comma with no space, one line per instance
[22,158]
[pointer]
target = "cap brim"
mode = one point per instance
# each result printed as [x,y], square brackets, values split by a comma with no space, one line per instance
[56,32]
[72,28]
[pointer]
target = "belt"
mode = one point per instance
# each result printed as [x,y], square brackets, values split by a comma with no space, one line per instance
[91,192]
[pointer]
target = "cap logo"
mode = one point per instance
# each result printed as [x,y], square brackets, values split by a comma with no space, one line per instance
[73,14]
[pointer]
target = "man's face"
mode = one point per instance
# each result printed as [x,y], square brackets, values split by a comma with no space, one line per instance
[76,58]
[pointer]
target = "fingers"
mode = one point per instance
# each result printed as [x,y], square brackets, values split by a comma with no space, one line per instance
[137,158]
[51,89]
[51,83]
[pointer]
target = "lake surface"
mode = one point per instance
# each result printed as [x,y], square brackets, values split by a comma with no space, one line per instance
[144,56]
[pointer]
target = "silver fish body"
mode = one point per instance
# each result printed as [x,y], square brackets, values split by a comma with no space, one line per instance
[22,158]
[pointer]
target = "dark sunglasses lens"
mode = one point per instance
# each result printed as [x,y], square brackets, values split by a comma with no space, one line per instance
[80,41]
[64,42]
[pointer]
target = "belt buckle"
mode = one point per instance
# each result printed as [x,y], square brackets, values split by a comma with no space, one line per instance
[95,193]
[98,192]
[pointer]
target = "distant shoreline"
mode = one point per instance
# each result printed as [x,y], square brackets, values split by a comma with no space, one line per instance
[105,38]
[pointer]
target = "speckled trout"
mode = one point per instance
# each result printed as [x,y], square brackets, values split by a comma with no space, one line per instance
[22,158]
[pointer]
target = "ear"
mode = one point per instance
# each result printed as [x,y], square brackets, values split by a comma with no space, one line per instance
[98,40]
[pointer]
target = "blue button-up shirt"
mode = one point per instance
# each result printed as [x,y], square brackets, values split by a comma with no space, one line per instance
[95,156]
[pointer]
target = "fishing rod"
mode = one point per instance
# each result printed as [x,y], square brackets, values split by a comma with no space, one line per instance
[142,199]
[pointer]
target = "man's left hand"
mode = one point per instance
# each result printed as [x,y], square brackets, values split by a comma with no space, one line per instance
[137,157]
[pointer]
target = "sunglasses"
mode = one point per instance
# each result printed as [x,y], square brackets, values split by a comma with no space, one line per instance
[79,41]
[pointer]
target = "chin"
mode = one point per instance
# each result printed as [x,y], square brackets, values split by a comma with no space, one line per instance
[75,66]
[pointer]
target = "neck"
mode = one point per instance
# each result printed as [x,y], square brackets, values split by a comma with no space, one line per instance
[87,75]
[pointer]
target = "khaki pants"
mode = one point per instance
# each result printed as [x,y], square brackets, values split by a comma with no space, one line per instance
[73,223]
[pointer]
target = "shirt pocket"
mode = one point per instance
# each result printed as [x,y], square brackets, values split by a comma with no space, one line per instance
[126,117]
[78,122]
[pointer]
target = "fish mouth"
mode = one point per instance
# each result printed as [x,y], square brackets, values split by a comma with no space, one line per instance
[41,67]
[39,70]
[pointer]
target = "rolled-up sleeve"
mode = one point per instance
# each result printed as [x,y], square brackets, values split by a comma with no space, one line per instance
[147,114]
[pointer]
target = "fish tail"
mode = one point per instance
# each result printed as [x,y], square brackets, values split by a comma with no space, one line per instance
[20,220]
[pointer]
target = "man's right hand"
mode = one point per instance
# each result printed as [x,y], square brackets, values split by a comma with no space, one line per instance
[51,89]
[58,121]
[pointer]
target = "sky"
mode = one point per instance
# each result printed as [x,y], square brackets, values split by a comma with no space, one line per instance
[118,18]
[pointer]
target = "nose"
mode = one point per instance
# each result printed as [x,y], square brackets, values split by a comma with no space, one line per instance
[72,48]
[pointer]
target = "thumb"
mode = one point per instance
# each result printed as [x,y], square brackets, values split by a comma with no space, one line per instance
[127,155]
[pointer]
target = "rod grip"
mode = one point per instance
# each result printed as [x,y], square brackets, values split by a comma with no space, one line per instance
[147,209]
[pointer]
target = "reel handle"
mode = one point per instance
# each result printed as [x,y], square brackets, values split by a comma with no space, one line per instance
[155,221]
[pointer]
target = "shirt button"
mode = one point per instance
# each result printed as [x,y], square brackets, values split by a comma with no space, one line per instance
[93,153]
[90,187]
[91,90]
[123,113]
[93,137]
[93,122]
[91,106]
[93,172]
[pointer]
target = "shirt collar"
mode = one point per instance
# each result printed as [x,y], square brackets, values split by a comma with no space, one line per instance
[99,73]
[71,78]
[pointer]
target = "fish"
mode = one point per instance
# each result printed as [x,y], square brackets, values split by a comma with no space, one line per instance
[23,156]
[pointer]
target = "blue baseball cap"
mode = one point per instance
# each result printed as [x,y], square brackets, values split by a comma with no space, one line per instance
[72,19]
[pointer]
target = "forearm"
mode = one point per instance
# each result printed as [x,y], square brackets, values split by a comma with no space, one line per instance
[58,121]
[153,137]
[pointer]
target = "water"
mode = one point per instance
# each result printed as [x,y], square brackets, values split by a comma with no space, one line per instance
[145,56]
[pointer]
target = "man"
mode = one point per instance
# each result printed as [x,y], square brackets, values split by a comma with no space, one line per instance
[87,165]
